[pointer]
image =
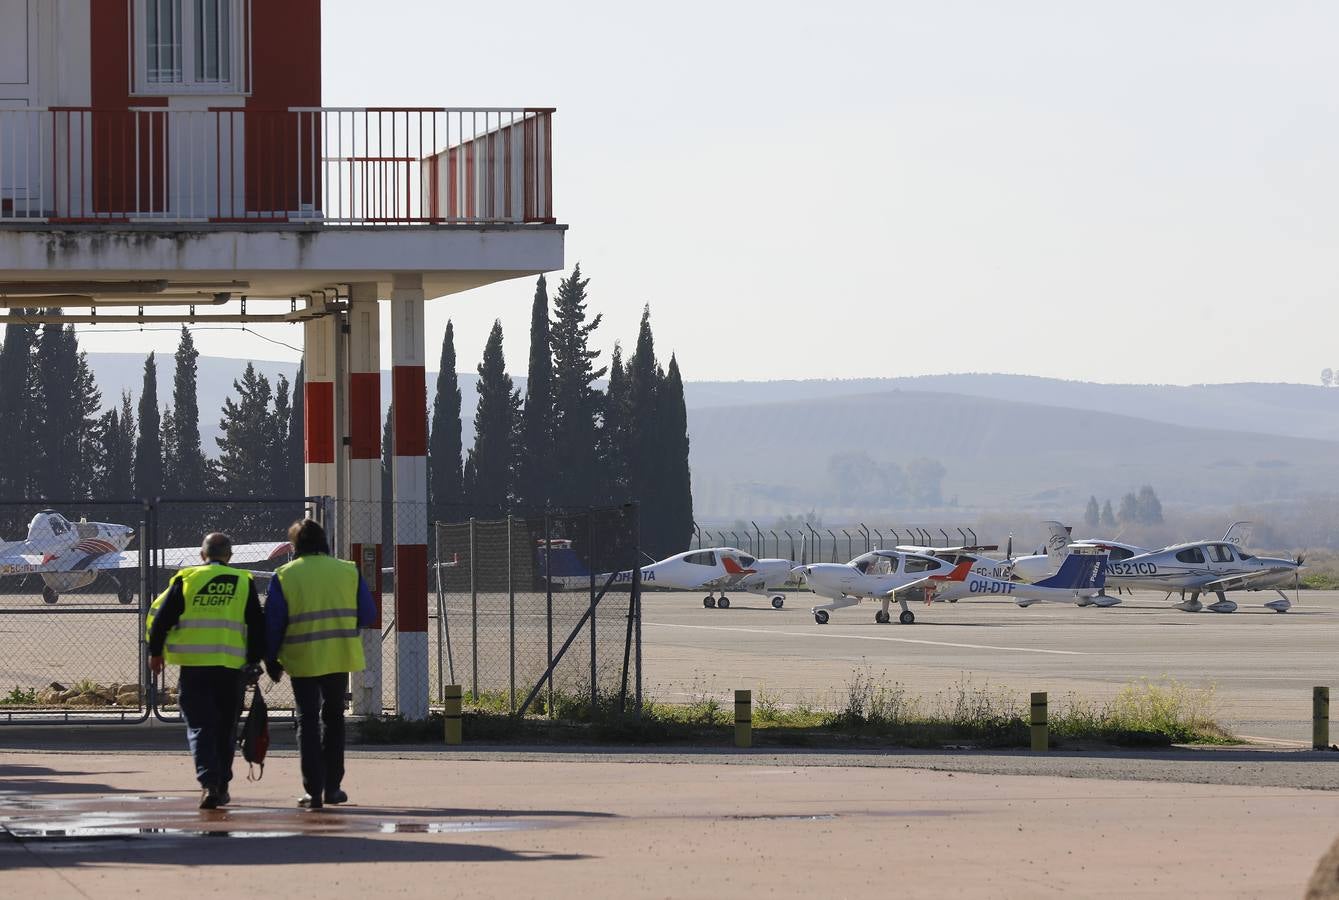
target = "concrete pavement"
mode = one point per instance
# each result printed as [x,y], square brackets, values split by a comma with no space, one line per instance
[113,825]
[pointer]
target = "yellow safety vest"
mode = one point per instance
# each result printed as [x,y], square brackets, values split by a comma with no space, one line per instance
[322,634]
[212,628]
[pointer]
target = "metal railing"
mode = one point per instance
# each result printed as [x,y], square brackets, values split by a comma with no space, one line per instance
[309,165]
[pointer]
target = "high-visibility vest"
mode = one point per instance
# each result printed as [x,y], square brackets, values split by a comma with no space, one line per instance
[212,628]
[322,633]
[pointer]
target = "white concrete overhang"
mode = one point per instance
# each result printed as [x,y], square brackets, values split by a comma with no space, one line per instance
[280,261]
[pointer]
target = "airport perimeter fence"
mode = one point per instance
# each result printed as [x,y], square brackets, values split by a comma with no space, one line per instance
[807,543]
[76,582]
[542,612]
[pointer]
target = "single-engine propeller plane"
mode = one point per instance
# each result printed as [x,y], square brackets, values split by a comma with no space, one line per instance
[72,555]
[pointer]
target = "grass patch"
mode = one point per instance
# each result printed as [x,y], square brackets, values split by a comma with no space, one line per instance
[868,713]
[19,697]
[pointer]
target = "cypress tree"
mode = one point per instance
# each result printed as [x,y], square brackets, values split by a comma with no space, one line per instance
[445,489]
[281,464]
[614,432]
[245,462]
[676,517]
[116,470]
[645,449]
[168,439]
[535,475]
[16,376]
[1108,515]
[55,447]
[576,404]
[1091,516]
[188,473]
[148,446]
[492,460]
[87,400]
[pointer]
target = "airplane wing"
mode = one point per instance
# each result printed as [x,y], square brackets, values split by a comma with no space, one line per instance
[1244,581]
[181,557]
[908,586]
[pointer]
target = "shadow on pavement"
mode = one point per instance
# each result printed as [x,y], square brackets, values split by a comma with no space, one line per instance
[218,850]
[20,780]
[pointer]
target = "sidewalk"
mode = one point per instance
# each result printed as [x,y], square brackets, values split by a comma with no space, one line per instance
[101,825]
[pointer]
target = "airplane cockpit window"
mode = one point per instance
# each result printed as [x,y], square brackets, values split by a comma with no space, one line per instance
[704,558]
[1220,553]
[747,561]
[920,564]
[864,566]
[1242,554]
[885,565]
[1190,555]
[58,525]
[1117,554]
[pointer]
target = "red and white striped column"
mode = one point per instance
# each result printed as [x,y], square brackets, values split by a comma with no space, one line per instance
[409,477]
[364,485]
[318,406]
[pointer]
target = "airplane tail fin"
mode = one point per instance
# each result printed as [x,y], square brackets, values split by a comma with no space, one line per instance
[1079,571]
[959,573]
[1057,540]
[1239,533]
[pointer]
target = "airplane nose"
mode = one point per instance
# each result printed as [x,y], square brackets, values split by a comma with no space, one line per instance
[799,573]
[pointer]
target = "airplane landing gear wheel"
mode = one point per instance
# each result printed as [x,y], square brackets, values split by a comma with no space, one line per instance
[124,594]
[907,617]
[882,618]
[821,617]
[778,602]
[48,595]
[709,602]
[723,603]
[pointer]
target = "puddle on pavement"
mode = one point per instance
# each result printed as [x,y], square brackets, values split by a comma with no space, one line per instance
[821,817]
[123,834]
[452,827]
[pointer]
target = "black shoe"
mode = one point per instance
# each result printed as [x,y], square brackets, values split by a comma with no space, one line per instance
[307,801]
[224,797]
[336,797]
[209,798]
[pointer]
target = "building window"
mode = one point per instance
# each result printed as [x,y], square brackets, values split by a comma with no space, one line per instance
[190,46]
[213,41]
[162,24]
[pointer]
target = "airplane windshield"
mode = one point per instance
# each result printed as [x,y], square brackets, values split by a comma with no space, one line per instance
[58,525]
[746,561]
[919,564]
[704,558]
[1244,555]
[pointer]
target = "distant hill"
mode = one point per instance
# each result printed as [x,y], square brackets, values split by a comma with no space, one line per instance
[761,448]
[773,459]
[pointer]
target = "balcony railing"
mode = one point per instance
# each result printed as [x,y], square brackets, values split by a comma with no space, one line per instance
[325,166]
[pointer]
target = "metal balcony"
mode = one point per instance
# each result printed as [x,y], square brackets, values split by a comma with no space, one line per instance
[339,167]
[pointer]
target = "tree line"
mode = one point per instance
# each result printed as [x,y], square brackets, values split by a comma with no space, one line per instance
[1142,508]
[565,444]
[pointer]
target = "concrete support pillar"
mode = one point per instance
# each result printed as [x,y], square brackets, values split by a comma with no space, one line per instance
[410,479]
[363,516]
[318,407]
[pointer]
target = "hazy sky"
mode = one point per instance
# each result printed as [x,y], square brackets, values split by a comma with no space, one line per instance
[1115,191]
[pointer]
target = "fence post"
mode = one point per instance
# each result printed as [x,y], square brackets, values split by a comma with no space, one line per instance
[548,604]
[1320,717]
[744,719]
[474,620]
[452,713]
[1040,731]
[594,674]
[511,625]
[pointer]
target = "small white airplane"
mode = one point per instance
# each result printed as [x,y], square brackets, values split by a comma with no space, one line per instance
[71,555]
[1208,567]
[714,569]
[884,574]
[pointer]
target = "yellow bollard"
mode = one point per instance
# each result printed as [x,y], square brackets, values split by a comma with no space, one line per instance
[1320,718]
[452,714]
[1039,726]
[743,718]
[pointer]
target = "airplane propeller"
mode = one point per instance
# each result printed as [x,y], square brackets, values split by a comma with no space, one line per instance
[1009,551]
[1297,580]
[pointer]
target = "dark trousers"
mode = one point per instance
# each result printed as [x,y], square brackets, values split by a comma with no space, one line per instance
[320,701]
[211,701]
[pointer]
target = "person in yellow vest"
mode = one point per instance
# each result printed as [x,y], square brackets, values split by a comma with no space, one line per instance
[313,610]
[210,623]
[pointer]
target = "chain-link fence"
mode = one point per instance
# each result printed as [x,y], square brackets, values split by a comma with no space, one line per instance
[76,583]
[70,603]
[541,611]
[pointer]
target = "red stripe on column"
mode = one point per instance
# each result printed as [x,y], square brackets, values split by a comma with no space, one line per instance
[365,415]
[409,393]
[411,587]
[375,584]
[318,421]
